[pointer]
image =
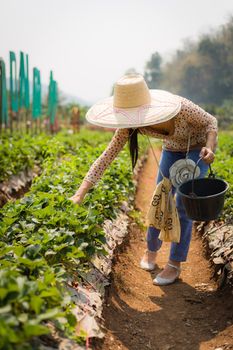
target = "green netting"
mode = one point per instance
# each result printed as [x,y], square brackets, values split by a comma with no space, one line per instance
[36,103]
[24,100]
[3,94]
[13,83]
[27,91]
[52,99]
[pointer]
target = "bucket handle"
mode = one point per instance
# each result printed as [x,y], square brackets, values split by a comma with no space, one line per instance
[211,174]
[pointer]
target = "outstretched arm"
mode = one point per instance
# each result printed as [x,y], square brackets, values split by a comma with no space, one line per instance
[98,167]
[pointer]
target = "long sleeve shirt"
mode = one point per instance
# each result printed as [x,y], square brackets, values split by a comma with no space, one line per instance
[192,121]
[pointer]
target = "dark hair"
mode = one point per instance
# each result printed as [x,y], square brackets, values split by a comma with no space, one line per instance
[133,146]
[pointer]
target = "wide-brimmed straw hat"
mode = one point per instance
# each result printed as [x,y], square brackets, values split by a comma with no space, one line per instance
[134,105]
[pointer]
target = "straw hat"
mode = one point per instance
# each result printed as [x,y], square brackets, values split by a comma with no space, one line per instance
[134,105]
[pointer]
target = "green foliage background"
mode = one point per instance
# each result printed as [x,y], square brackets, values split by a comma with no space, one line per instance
[201,71]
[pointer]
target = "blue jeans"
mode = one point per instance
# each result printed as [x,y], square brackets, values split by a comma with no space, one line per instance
[178,251]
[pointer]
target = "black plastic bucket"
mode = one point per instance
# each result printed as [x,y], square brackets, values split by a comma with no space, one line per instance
[203,199]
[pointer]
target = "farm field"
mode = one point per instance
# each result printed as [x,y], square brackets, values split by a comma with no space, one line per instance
[45,240]
[45,237]
[79,267]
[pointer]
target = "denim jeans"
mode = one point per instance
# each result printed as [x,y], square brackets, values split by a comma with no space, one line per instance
[178,251]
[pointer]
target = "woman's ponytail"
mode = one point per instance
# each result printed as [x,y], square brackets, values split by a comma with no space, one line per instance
[133,146]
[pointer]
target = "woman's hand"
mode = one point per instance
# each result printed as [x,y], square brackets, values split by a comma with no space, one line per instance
[207,155]
[77,198]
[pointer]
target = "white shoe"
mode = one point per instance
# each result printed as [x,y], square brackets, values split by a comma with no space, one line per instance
[160,281]
[145,265]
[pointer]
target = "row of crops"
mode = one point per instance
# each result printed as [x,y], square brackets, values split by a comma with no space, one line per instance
[46,240]
[223,168]
[218,236]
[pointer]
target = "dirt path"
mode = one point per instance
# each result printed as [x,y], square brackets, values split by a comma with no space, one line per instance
[188,315]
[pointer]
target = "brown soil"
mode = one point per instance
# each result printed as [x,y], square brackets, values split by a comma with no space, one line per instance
[188,315]
[4,198]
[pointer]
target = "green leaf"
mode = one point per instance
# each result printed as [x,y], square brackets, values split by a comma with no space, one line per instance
[49,314]
[23,318]
[72,320]
[5,309]
[32,330]
[3,293]
[36,302]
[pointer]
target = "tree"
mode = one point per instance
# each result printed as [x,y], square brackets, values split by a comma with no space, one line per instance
[153,73]
[131,71]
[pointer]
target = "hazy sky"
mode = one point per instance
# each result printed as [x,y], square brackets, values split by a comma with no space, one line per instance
[89,44]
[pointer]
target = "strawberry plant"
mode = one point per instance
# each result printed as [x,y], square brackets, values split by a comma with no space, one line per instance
[223,166]
[45,240]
